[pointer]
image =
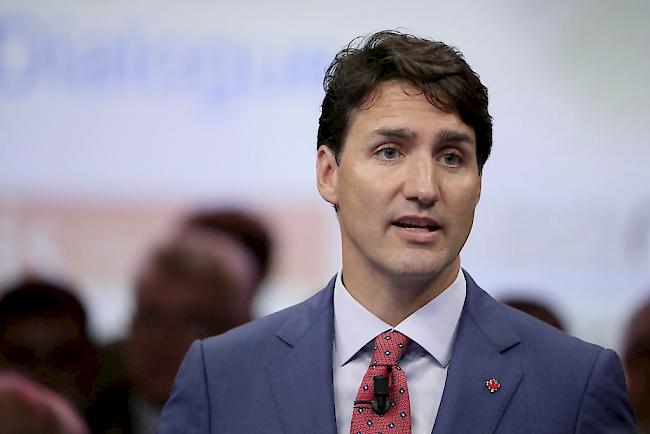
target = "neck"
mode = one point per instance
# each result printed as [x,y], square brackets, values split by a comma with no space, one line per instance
[393,297]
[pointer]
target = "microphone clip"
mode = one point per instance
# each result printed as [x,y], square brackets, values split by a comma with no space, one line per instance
[380,402]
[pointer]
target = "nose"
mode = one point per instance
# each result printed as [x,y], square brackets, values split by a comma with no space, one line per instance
[421,184]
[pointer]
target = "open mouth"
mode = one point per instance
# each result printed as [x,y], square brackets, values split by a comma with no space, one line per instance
[417,224]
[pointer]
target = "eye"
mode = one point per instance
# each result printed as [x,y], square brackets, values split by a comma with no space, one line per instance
[451,159]
[388,153]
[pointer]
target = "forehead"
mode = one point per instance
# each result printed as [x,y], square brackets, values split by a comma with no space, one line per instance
[158,285]
[42,334]
[390,91]
[397,103]
[158,289]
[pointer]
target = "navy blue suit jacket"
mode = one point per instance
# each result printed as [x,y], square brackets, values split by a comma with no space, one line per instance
[274,375]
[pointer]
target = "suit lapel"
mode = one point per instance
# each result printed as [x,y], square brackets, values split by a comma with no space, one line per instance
[480,353]
[301,378]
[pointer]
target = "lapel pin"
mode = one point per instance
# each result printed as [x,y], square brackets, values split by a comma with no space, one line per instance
[492,385]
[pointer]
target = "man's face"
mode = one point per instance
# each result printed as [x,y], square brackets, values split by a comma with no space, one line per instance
[171,313]
[406,185]
[50,349]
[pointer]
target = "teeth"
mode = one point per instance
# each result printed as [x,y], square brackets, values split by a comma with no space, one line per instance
[430,228]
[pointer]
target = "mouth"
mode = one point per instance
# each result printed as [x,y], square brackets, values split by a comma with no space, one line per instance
[416,223]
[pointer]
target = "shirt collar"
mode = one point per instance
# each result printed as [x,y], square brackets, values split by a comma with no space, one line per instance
[432,327]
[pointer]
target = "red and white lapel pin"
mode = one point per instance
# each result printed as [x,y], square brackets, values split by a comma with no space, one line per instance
[492,385]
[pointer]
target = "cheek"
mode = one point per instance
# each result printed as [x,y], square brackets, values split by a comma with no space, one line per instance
[461,202]
[358,191]
[359,208]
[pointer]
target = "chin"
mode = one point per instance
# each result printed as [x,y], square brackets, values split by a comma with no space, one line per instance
[415,270]
[419,266]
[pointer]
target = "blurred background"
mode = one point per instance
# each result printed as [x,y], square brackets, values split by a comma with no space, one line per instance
[157,177]
[119,118]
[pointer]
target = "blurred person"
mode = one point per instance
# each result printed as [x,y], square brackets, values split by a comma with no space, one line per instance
[404,128]
[43,334]
[636,356]
[251,232]
[190,288]
[27,407]
[403,137]
[243,225]
[536,309]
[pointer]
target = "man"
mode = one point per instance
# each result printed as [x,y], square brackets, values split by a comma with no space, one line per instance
[44,336]
[251,233]
[402,340]
[191,287]
[636,358]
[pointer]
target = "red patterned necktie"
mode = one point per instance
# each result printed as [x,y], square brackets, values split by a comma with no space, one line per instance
[367,415]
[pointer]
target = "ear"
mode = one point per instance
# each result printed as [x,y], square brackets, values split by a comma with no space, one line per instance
[479,187]
[327,174]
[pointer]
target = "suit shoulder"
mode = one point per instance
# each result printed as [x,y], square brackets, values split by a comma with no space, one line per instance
[255,340]
[552,360]
[261,328]
[549,340]
[574,374]
[509,327]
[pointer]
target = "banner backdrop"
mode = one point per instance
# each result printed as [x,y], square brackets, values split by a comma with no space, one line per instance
[116,117]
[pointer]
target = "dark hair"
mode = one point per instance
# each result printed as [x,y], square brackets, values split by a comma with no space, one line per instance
[244,226]
[637,335]
[536,309]
[191,262]
[438,70]
[35,297]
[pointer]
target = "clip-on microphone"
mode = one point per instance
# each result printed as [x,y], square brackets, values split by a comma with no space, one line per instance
[380,402]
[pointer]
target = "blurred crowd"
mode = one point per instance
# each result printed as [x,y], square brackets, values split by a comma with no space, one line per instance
[198,282]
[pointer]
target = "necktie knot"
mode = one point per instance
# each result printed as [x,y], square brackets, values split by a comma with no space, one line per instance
[389,348]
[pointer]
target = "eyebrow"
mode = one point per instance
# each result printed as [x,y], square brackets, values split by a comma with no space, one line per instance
[451,136]
[443,136]
[401,133]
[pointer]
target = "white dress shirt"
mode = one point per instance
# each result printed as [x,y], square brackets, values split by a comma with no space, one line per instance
[431,328]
